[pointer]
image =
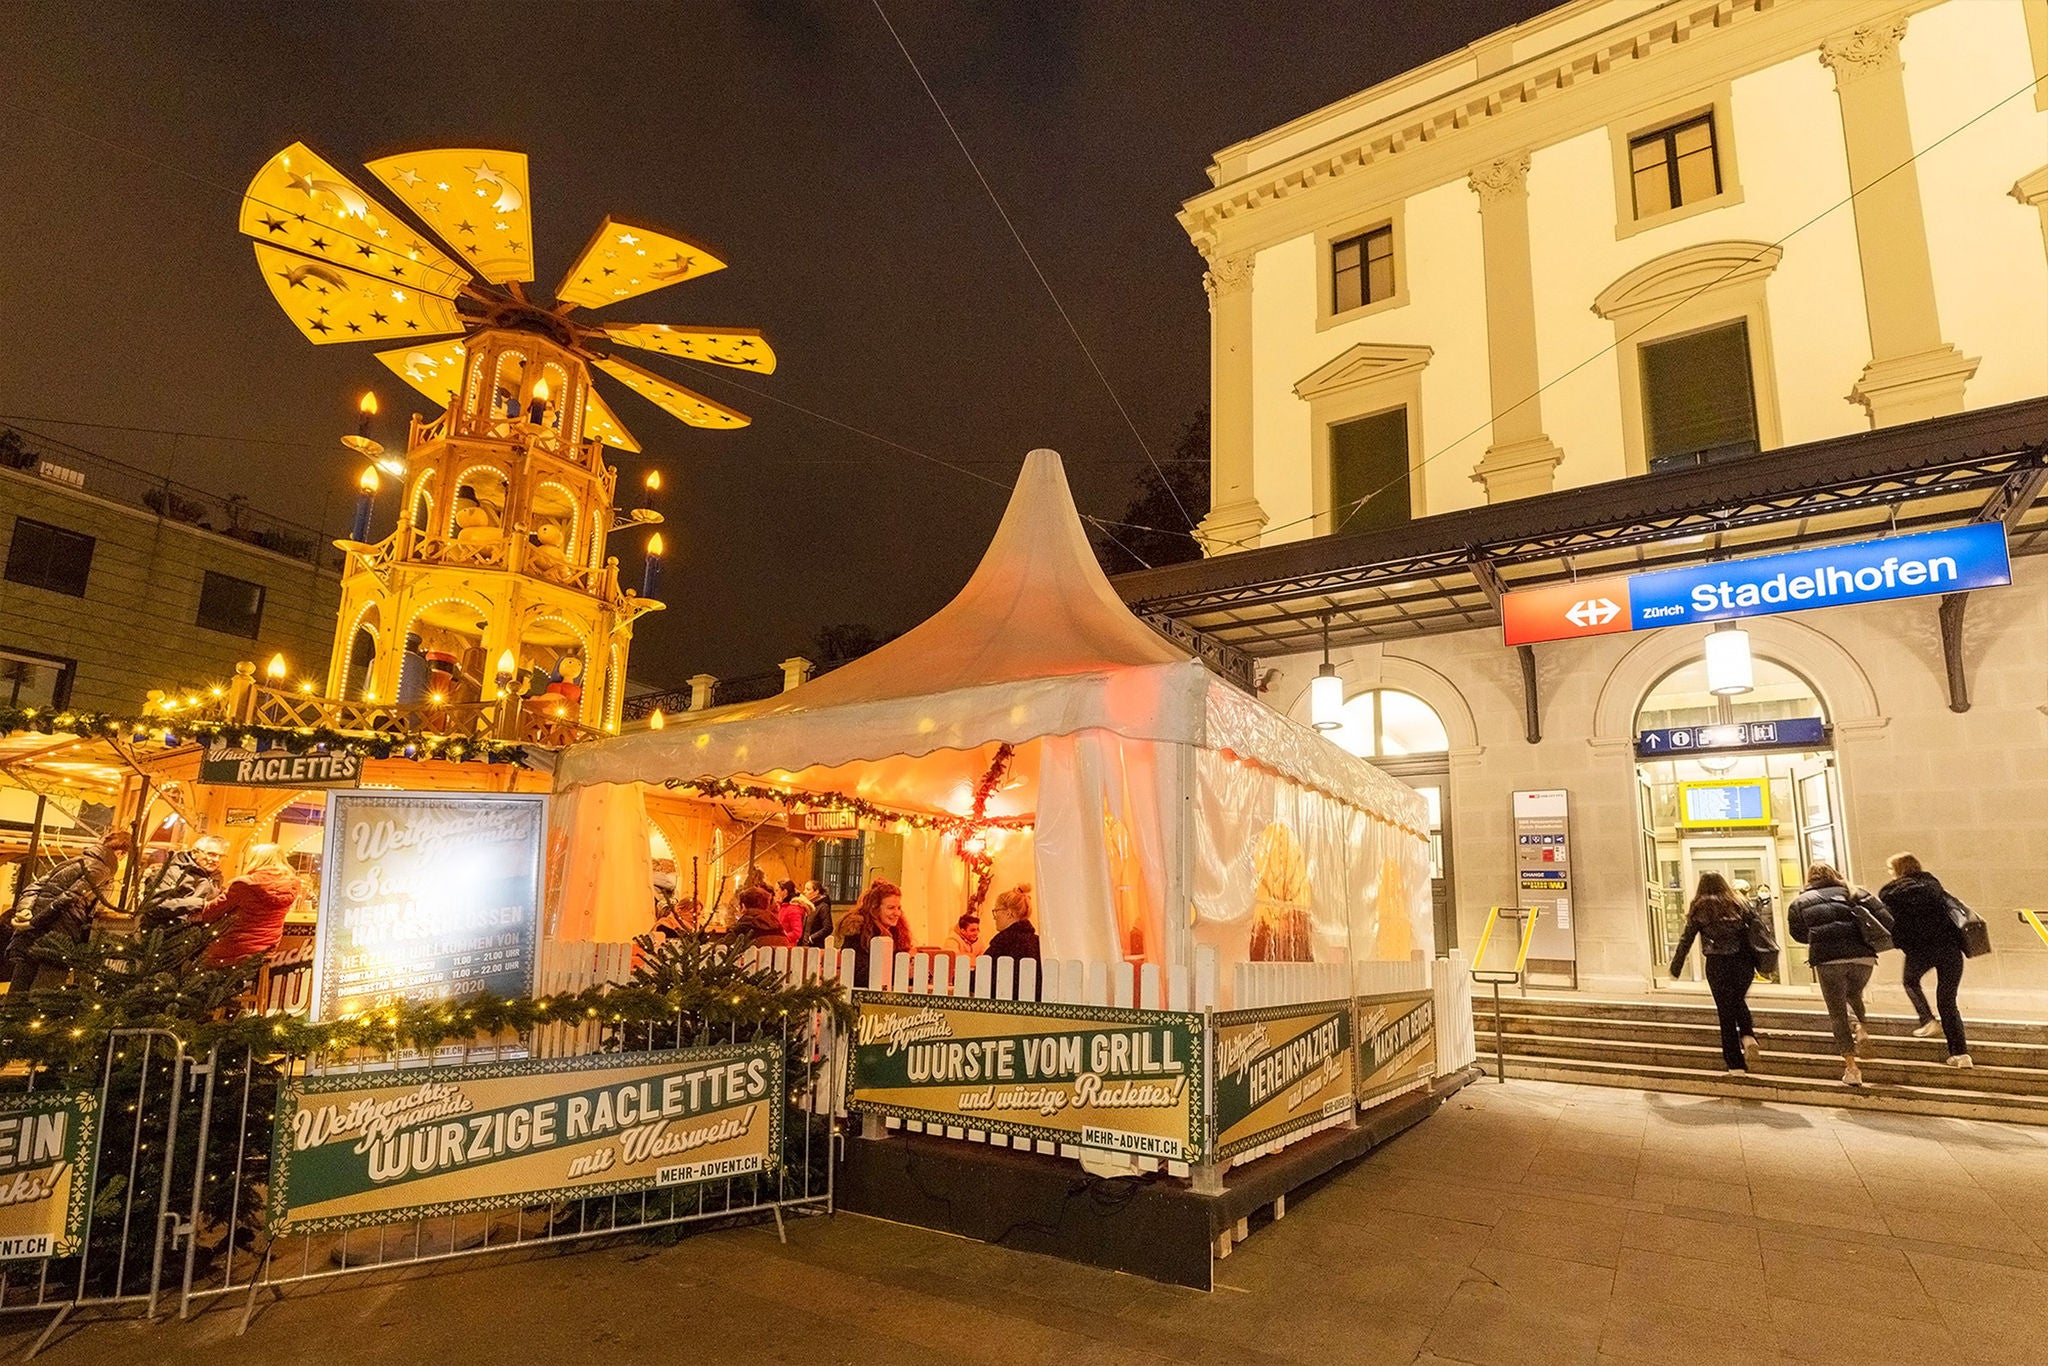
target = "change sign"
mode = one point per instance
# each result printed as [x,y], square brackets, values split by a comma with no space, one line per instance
[1955,560]
[355,1149]
[48,1144]
[1279,1069]
[1127,1081]
[1396,1042]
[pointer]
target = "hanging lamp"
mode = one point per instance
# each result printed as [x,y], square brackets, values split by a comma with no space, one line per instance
[1326,694]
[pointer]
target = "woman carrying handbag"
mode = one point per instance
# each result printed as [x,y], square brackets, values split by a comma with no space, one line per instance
[1926,927]
[1844,929]
[1729,935]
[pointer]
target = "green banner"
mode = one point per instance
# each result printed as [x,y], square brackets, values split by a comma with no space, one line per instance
[356,1149]
[1279,1069]
[1396,1036]
[1126,1081]
[49,1142]
[280,768]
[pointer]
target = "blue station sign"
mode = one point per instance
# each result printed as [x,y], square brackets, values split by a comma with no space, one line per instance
[1954,560]
[1792,732]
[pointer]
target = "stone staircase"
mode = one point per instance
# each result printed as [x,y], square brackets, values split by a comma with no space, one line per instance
[1676,1046]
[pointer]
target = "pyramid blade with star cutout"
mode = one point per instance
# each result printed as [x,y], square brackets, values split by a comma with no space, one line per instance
[601,422]
[301,202]
[624,260]
[673,399]
[476,199]
[743,348]
[434,368]
[330,302]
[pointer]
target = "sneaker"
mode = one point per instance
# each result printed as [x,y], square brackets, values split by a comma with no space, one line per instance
[1751,1051]
[1927,1030]
[1852,1075]
[1737,1072]
[1960,1060]
[1861,1035]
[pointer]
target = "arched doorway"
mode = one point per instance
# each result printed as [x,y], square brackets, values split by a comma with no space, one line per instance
[1403,736]
[1747,786]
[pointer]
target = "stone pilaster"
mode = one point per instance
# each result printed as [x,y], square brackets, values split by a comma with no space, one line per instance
[1913,373]
[1235,517]
[1522,460]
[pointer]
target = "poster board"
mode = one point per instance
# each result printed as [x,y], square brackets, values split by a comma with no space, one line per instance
[1543,878]
[352,1150]
[428,896]
[1127,1081]
[49,1144]
[1279,1069]
[1396,1036]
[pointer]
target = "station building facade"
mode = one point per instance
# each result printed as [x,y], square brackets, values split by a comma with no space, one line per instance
[1644,285]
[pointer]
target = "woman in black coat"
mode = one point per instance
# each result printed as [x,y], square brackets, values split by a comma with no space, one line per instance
[1722,921]
[1924,928]
[1825,918]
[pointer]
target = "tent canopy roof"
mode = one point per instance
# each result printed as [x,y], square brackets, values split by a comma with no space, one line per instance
[1036,644]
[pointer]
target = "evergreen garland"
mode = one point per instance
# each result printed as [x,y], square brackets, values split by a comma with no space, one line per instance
[172,731]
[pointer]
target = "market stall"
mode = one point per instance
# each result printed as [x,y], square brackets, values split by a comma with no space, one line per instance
[1034,730]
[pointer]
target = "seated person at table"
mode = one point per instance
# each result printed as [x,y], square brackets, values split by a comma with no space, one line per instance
[1014,937]
[757,924]
[251,911]
[966,936]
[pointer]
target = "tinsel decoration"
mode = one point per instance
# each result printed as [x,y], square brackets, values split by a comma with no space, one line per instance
[173,731]
[973,847]
[945,823]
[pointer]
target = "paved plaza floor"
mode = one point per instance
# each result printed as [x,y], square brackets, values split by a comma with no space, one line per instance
[1523,1225]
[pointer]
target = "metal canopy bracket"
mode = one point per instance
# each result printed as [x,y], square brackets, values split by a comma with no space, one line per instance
[2007,503]
[1489,581]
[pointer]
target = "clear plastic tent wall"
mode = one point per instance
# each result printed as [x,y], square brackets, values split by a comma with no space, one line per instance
[1168,808]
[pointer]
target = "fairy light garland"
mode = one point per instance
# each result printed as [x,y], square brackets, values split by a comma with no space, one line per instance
[172,731]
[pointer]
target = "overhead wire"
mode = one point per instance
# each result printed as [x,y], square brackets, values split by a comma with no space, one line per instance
[1358,504]
[1032,260]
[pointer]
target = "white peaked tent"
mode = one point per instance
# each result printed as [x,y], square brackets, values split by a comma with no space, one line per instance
[1168,808]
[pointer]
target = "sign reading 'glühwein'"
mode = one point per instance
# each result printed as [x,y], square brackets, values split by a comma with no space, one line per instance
[427,895]
[1396,1037]
[354,1149]
[1279,1069]
[1127,1081]
[48,1144]
[280,768]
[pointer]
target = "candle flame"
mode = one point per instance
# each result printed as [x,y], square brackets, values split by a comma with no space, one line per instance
[655,720]
[368,407]
[654,544]
[276,668]
[368,482]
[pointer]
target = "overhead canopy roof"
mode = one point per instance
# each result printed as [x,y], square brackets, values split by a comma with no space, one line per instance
[1445,573]
[1037,644]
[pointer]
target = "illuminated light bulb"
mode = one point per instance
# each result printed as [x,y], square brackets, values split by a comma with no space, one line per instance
[369,694]
[1729,668]
[216,690]
[655,720]
[306,685]
[507,665]
[438,697]
[275,668]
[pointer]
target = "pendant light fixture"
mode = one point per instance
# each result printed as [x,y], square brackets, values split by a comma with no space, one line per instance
[1326,694]
[1730,671]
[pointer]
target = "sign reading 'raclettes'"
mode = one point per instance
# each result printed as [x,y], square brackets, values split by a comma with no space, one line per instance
[1955,560]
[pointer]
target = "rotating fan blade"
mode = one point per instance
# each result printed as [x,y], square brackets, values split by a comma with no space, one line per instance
[601,422]
[741,347]
[622,260]
[331,302]
[673,399]
[477,200]
[434,368]
[299,201]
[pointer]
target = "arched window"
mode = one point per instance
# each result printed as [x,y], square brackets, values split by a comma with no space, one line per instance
[1680,698]
[1386,723]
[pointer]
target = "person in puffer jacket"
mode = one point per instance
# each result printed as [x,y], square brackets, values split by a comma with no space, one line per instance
[181,888]
[61,908]
[1721,921]
[251,911]
[1924,928]
[1823,917]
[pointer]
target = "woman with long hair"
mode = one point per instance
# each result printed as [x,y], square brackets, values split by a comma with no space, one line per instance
[1830,918]
[1721,921]
[1924,927]
[877,915]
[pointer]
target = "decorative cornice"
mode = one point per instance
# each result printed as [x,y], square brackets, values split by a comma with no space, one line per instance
[1864,51]
[1499,179]
[2031,189]
[1228,274]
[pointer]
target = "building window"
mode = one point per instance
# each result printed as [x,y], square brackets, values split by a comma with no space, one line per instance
[44,556]
[1362,269]
[1369,476]
[230,605]
[33,680]
[1699,402]
[1674,166]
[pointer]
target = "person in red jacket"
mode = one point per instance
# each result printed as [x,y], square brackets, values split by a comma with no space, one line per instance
[251,911]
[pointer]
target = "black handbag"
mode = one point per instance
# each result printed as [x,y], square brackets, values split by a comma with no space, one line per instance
[1976,934]
[1876,933]
[1763,945]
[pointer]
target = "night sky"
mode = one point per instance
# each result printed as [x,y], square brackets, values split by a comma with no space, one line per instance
[789,136]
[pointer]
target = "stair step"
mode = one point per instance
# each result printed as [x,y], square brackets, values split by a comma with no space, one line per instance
[1706,1058]
[2012,1108]
[1812,1038]
[1769,1015]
